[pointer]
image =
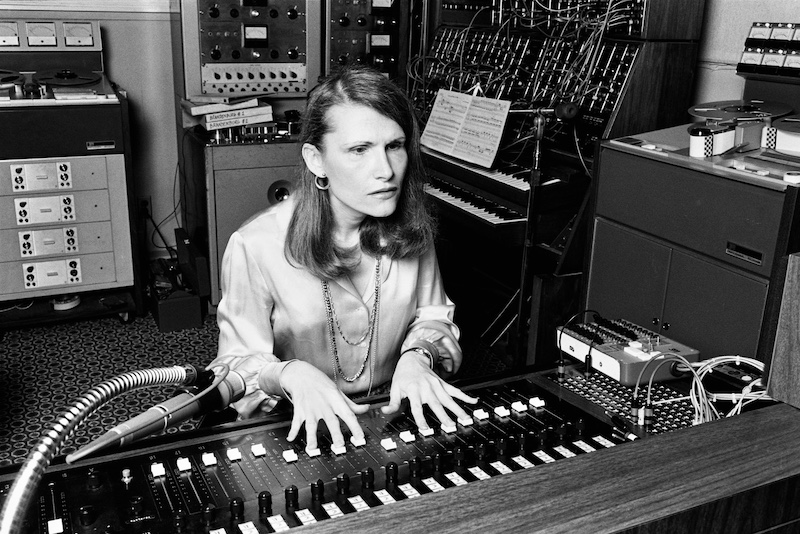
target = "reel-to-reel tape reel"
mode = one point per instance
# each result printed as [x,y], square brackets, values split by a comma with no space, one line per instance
[47,83]
[742,126]
[733,111]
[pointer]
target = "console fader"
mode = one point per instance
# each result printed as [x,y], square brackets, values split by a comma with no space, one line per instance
[253,480]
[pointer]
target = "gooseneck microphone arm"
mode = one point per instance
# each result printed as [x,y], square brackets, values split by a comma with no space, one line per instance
[25,484]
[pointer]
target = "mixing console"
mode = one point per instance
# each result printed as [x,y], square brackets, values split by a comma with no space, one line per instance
[253,480]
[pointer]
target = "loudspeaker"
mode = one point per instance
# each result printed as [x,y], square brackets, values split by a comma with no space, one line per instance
[783,371]
[227,184]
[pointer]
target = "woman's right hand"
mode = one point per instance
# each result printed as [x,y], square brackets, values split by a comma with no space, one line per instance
[316,398]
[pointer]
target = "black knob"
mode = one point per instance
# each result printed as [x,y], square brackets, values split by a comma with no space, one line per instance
[502,446]
[438,463]
[265,503]
[292,13]
[209,513]
[580,427]
[216,53]
[135,505]
[459,456]
[361,21]
[367,479]
[546,436]
[293,53]
[391,473]
[414,466]
[213,12]
[179,521]
[343,484]
[344,21]
[87,515]
[94,482]
[318,490]
[291,494]
[237,508]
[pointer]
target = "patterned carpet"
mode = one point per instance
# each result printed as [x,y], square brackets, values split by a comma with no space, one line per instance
[46,369]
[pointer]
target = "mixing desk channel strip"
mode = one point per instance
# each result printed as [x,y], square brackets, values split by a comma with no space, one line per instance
[253,480]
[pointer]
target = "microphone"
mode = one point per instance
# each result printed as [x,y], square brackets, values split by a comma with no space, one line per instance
[564,111]
[179,408]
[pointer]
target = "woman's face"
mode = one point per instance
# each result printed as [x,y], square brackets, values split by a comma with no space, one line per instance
[364,157]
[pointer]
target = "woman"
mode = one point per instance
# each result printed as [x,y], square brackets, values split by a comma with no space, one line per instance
[337,290]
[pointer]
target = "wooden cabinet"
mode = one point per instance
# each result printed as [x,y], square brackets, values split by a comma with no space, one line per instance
[673,291]
[690,251]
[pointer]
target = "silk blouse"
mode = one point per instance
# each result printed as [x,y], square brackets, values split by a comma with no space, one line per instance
[272,311]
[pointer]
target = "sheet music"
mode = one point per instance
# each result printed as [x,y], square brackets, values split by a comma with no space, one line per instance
[466,127]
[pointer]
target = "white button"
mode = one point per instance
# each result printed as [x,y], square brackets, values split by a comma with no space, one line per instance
[258,449]
[427,432]
[209,458]
[184,464]
[502,411]
[536,402]
[388,444]
[157,469]
[465,421]
[234,454]
[480,414]
[449,429]
[313,452]
[55,526]
[518,406]
[341,449]
[358,442]
[407,436]
[289,455]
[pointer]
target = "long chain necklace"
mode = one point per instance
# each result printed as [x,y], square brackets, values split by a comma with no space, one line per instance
[333,323]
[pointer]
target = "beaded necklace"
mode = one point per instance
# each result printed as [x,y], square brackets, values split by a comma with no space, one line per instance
[333,324]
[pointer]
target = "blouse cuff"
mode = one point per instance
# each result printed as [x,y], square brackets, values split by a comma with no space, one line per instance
[269,378]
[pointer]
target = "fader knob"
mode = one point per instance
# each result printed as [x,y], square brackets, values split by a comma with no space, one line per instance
[265,503]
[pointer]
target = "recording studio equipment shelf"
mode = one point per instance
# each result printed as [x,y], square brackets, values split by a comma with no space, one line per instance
[66,186]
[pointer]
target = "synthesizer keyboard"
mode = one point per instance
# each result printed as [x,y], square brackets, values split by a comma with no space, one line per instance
[621,349]
[252,480]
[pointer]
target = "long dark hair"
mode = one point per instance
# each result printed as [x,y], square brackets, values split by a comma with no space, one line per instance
[408,232]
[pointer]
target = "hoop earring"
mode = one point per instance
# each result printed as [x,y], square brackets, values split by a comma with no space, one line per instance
[320,185]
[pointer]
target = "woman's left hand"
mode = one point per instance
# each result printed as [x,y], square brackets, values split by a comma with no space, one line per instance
[413,379]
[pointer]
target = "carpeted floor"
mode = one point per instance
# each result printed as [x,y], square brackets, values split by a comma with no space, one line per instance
[45,369]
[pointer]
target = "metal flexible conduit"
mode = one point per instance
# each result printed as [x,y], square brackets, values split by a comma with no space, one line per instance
[24,486]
